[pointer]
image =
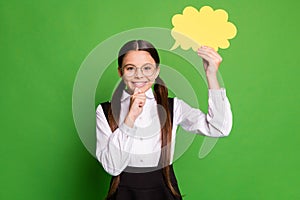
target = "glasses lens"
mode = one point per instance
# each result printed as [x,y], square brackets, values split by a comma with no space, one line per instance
[148,70]
[131,70]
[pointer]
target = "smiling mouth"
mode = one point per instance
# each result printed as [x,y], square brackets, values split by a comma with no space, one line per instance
[139,84]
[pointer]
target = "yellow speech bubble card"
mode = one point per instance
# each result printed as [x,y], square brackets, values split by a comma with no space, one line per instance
[208,27]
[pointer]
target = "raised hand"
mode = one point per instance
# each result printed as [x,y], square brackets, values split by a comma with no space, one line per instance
[137,102]
[211,59]
[211,62]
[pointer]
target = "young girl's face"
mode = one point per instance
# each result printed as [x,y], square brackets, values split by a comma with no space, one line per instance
[138,70]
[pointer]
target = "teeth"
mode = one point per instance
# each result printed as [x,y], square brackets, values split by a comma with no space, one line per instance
[139,84]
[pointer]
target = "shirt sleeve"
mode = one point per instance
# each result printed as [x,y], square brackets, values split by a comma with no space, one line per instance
[216,123]
[112,148]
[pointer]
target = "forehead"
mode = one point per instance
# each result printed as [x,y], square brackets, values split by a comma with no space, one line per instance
[137,58]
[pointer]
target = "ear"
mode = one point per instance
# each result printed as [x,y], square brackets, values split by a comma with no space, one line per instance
[119,71]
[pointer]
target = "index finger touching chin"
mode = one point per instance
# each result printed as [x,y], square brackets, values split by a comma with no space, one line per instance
[136,90]
[146,86]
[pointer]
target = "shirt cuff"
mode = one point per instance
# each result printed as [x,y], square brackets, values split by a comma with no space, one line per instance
[217,93]
[128,130]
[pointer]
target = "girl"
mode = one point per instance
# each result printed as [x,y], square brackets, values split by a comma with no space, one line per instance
[136,131]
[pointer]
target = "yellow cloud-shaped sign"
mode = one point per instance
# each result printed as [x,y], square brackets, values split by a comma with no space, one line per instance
[207,27]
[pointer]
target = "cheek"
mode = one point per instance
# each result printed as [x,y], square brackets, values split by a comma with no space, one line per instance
[127,81]
[152,78]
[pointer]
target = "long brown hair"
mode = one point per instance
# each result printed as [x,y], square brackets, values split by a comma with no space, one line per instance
[161,96]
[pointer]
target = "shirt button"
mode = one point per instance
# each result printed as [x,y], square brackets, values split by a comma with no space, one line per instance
[141,139]
[141,160]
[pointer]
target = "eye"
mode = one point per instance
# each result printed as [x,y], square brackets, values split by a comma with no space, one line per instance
[129,68]
[148,67]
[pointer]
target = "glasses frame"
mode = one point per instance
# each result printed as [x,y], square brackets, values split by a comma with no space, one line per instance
[140,68]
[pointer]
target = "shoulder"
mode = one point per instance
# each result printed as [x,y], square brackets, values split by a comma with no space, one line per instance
[178,102]
[102,107]
[178,106]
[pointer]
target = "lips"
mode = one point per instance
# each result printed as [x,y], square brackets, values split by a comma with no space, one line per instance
[139,84]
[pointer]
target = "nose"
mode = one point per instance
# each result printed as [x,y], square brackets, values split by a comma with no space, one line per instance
[138,73]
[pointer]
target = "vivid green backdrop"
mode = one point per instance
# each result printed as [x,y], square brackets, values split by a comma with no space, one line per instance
[43,44]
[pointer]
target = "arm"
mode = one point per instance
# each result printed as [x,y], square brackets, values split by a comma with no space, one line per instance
[112,148]
[216,123]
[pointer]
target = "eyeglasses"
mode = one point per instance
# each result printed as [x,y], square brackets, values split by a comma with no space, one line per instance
[147,69]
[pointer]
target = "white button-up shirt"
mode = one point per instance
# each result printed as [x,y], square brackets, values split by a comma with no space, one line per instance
[140,146]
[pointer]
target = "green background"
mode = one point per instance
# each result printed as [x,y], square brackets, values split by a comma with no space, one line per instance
[43,44]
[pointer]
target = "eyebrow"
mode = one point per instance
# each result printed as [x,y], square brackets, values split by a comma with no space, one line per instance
[135,65]
[129,64]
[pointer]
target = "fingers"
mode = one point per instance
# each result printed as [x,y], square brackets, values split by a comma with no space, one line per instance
[136,91]
[137,101]
[139,94]
[211,59]
[146,87]
[138,98]
[209,54]
[209,50]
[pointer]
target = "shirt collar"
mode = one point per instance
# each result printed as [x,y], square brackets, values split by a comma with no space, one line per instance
[149,94]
